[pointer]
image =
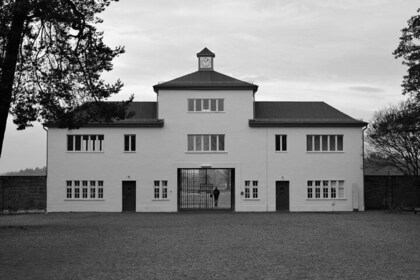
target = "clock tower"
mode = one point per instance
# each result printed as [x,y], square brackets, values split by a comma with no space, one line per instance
[205,60]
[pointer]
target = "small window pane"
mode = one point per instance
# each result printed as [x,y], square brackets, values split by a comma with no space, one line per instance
[317,142]
[284,142]
[309,142]
[198,143]
[190,142]
[133,143]
[213,105]
[78,143]
[198,105]
[190,105]
[247,183]
[221,142]
[157,183]
[69,142]
[325,142]
[206,142]
[339,142]
[126,143]
[277,142]
[309,192]
[206,104]
[220,105]
[86,142]
[332,142]
[214,142]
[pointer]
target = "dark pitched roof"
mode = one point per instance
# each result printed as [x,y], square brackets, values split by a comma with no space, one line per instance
[283,114]
[206,52]
[205,80]
[144,115]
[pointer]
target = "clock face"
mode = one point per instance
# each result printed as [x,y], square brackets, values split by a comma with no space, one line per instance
[205,62]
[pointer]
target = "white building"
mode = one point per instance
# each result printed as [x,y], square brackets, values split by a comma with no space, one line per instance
[205,131]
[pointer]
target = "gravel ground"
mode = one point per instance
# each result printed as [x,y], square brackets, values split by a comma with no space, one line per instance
[368,245]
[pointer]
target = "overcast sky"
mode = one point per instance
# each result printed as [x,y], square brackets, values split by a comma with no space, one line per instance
[337,51]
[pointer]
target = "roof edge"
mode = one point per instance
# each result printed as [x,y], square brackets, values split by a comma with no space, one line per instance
[257,123]
[147,123]
[156,88]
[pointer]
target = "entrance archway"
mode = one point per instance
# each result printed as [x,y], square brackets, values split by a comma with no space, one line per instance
[196,186]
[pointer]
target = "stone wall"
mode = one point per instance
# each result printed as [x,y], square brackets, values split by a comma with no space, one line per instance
[392,192]
[23,193]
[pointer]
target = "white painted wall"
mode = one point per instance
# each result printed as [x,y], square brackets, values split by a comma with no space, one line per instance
[161,151]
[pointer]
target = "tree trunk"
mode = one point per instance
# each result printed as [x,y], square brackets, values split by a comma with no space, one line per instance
[13,42]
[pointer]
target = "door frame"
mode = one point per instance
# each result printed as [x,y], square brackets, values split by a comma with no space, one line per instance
[123,209]
[288,192]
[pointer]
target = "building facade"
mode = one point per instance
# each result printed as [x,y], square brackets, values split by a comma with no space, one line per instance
[206,131]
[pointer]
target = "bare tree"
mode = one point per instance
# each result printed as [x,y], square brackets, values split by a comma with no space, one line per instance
[394,133]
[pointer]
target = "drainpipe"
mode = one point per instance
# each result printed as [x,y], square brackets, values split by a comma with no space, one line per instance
[46,172]
[46,169]
[266,167]
[363,163]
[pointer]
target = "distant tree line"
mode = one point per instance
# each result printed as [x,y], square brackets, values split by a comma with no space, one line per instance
[28,172]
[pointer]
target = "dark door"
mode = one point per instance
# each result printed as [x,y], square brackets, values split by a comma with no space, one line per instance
[129,196]
[282,195]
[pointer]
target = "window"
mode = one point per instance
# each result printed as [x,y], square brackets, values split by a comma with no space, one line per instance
[69,189]
[90,190]
[325,189]
[130,143]
[281,143]
[249,190]
[84,189]
[161,189]
[206,143]
[85,143]
[254,189]
[76,189]
[164,189]
[206,105]
[324,143]
[310,193]
[317,189]
[100,189]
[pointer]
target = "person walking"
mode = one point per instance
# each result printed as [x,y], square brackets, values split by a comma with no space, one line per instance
[216,194]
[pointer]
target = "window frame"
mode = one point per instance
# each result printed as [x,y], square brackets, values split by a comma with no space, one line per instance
[251,190]
[325,143]
[215,143]
[130,144]
[205,105]
[85,143]
[325,189]
[84,190]
[160,190]
[280,144]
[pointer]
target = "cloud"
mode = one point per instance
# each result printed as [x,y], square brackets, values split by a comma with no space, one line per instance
[367,89]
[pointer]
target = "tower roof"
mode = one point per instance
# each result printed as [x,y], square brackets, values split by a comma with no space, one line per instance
[205,52]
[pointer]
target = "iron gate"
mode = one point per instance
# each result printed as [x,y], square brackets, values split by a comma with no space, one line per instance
[196,186]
